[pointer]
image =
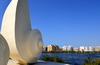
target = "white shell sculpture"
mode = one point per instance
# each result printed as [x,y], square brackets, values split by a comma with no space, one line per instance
[25,44]
[4,51]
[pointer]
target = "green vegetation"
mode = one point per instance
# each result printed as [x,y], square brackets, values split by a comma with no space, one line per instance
[91,61]
[53,59]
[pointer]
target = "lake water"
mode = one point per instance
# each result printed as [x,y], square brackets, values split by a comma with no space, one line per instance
[73,58]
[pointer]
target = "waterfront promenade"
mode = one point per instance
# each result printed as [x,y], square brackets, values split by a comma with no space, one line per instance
[40,62]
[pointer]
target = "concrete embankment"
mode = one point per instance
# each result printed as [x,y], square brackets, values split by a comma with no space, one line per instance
[40,62]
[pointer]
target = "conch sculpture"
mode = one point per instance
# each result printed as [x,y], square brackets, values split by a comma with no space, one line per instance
[24,43]
[4,51]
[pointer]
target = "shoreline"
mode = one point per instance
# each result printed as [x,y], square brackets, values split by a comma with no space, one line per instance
[68,52]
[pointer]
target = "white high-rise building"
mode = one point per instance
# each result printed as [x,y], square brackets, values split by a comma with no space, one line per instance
[64,48]
[97,48]
[86,48]
[89,49]
[76,49]
[67,48]
[81,48]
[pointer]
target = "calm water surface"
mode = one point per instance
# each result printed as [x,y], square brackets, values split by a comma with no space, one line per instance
[73,58]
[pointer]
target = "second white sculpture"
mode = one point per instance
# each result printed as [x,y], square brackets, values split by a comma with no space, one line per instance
[25,44]
[4,51]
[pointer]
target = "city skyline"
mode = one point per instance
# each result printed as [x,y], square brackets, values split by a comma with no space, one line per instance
[56,48]
[66,22]
[72,46]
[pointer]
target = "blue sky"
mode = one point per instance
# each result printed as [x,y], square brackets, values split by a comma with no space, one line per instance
[64,22]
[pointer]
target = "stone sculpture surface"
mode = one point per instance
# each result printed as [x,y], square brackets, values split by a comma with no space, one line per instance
[25,44]
[4,51]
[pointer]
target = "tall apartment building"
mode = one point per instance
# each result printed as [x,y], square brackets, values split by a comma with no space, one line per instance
[52,48]
[67,48]
[97,48]
[64,48]
[44,48]
[57,48]
[89,49]
[76,49]
[81,48]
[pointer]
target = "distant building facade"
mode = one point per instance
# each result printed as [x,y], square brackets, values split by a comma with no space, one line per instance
[97,48]
[81,48]
[70,48]
[89,49]
[56,48]
[44,48]
[67,48]
[76,49]
[52,48]
[64,48]
[60,49]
